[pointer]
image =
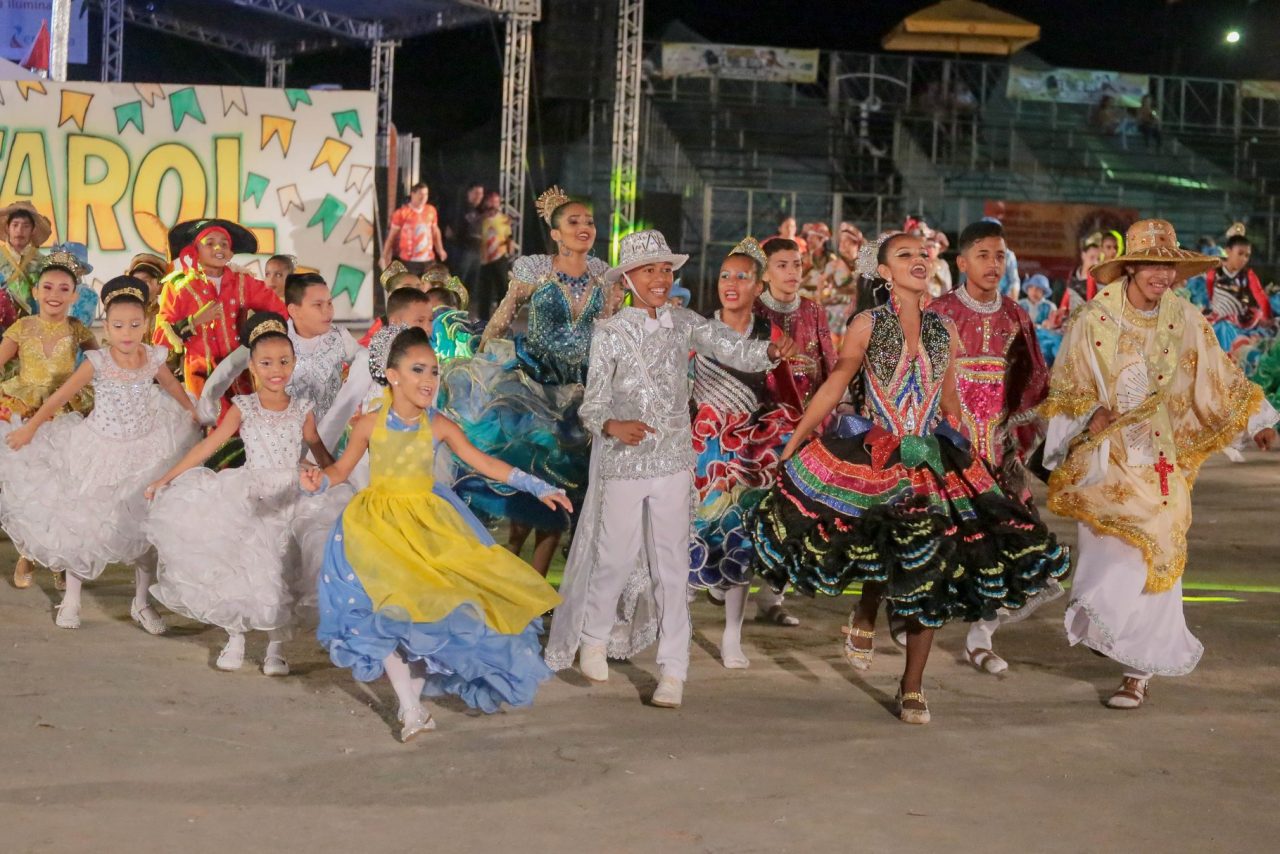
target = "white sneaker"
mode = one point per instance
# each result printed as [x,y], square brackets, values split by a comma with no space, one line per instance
[669,693]
[68,616]
[414,722]
[151,622]
[275,665]
[593,662]
[232,655]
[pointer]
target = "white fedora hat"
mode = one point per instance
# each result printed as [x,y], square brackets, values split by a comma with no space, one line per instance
[640,248]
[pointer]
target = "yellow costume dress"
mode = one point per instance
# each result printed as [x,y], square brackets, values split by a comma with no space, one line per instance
[47,358]
[405,570]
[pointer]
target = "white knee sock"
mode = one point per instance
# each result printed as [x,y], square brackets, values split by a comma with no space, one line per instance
[275,643]
[735,607]
[234,640]
[141,584]
[71,596]
[401,680]
[981,634]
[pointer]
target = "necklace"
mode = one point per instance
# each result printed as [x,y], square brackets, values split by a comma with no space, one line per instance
[979,306]
[778,305]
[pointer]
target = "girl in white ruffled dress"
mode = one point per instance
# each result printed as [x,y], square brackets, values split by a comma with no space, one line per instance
[73,490]
[226,555]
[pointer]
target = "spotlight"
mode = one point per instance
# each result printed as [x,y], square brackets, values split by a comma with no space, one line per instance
[1233,37]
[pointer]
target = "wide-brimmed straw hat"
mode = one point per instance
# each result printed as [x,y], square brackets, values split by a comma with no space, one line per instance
[1153,241]
[43,229]
[641,248]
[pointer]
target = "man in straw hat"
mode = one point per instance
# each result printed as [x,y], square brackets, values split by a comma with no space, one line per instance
[23,230]
[636,519]
[1140,396]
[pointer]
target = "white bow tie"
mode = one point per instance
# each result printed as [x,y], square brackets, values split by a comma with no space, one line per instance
[662,321]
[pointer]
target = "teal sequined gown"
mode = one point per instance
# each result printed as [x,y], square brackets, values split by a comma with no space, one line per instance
[518,399]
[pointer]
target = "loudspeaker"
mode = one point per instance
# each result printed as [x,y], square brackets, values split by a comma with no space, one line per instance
[575,49]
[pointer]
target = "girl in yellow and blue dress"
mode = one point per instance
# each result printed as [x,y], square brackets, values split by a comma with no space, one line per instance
[411,586]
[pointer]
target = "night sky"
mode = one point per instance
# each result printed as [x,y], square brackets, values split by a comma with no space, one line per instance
[454,77]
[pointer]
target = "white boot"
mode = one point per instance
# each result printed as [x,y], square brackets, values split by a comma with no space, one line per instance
[593,662]
[669,693]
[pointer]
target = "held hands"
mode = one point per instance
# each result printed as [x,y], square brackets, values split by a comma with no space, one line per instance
[23,435]
[1102,418]
[311,480]
[150,492]
[783,348]
[628,432]
[1267,439]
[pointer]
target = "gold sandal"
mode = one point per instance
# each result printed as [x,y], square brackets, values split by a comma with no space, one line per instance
[912,716]
[858,658]
[23,570]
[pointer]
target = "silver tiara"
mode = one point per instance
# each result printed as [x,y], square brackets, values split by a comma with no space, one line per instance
[868,266]
[380,349]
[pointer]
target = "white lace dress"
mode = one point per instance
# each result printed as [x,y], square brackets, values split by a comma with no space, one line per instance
[73,498]
[226,555]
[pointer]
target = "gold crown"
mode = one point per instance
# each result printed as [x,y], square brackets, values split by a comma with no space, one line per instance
[455,284]
[393,271]
[267,326]
[62,258]
[750,247]
[123,292]
[549,201]
[1236,230]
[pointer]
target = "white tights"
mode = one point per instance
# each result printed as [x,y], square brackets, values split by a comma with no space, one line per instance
[142,579]
[735,607]
[408,687]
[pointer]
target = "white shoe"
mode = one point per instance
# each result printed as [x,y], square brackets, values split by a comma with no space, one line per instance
[593,662]
[669,693]
[1131,694]
[151,622]
[734,659]
[68,616]
[275,665]
[415,722]
[232,655]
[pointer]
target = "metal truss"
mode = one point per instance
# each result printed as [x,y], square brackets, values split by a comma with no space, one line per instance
[382,81]
[178,27]
[112,41]
[330,22]
[517,57]
[625,153]
[277,68]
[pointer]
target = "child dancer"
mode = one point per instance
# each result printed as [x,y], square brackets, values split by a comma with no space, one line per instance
[223,538]
[321,350]
[641,487]
[406,587]
[738,434]
[892,499]
[88,474]
[46,345]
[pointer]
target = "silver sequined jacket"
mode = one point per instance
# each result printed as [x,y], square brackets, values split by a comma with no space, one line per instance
[641,373]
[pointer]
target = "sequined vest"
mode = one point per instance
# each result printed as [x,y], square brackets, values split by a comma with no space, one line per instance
[903,394]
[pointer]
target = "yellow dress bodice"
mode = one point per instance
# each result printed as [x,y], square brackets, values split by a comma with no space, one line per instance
[46,359]
[416,556]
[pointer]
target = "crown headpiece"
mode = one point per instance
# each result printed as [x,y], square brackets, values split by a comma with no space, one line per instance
[62,258]
[123,292]
[869,258]
[455,284]
[267,326]
[550,200]
[380,349]
[393,271]
[1236,230]
[750,247]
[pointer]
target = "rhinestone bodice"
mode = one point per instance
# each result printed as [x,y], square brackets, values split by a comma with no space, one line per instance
[272,440]
[124,401]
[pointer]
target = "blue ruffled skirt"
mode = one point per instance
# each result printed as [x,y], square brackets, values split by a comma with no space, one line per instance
[462,655]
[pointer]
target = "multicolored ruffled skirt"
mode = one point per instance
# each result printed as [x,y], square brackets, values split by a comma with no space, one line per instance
[916,514]
[737,460]
[510,407]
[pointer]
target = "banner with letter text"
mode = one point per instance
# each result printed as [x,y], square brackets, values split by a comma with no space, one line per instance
[739,62]
[20,22]
[114,165]
[1076,85]
[1046,236]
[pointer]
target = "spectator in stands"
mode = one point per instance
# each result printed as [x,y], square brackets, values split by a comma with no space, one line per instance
[786,230]
[497,247]
[1149,123]
[467,233]
[1112,119]
[414,234]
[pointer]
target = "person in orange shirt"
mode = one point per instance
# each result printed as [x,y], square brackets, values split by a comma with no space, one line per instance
[204,301]
[415,233]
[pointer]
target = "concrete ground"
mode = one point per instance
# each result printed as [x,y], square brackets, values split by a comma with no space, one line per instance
[111,740]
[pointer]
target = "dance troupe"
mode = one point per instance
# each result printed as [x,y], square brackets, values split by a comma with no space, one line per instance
[355,487]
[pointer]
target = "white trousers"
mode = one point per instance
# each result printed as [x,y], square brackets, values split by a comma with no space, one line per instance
[647,519]
[1111,612]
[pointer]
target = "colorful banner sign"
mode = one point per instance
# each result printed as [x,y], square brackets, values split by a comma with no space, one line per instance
[115,165]
[1267,90]
[1046,236]
[20,22]
[1076,85]
[736,62]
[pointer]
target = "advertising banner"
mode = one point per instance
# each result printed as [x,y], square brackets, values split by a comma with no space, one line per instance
[114,165]
[20,22]
[1046,236]
[1076,85]
[737,62]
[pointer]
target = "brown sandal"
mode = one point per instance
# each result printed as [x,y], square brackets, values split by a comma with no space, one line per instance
[1131,694]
